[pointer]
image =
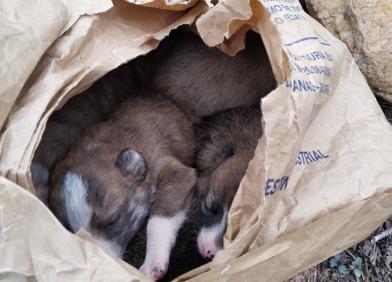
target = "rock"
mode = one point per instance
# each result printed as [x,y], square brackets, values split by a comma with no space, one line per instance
[366,28]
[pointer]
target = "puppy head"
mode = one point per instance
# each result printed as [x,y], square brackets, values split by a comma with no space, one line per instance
[213,219]
[213,215]
[219,190]
[104,193]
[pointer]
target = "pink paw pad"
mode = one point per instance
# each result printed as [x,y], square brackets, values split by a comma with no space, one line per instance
[158,272]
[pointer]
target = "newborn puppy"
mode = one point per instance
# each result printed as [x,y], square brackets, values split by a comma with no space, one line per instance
[227,141]
[65,126]
[134,166]
[203,80]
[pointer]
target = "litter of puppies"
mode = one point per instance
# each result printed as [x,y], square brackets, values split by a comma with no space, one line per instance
[132,165]
[318,181]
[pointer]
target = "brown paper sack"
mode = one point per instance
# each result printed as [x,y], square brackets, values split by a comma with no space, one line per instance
[319,181]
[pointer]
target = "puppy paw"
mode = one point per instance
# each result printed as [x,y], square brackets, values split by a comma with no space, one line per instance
[155,271]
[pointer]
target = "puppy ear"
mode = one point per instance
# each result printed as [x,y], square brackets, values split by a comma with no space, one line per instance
[131,162]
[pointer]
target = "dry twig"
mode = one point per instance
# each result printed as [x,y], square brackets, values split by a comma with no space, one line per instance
[382,235]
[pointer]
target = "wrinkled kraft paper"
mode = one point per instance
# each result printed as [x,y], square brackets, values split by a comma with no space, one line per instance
[319,181]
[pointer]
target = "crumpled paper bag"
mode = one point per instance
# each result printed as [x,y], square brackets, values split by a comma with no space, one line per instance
[319,181]
[26,39]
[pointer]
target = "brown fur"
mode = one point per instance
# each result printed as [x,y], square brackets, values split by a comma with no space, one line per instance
[224,181]
[65,126]
[203,80]
[161,133]
[224,134]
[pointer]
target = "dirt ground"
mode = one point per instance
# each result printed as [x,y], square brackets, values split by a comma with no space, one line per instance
[366,261]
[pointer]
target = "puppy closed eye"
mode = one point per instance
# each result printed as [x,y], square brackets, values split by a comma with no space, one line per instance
[211,210]
[108,223]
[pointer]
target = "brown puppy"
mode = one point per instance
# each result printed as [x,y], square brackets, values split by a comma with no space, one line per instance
[134,165]
[227,141]
[203,80]
[66,125]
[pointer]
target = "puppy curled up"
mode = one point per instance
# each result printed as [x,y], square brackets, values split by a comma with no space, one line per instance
[226,143]
[133,167]
[203,80]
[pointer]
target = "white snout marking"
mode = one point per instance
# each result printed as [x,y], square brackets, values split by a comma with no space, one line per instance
[79,211]
[74,191]
[208,236]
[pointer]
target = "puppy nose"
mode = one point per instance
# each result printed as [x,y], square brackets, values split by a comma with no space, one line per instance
[208,254]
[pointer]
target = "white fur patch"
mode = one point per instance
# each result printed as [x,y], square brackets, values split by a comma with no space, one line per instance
[161,236]
[209,236]
[78,211]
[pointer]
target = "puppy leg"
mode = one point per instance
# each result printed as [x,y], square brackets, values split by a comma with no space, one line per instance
[175,188]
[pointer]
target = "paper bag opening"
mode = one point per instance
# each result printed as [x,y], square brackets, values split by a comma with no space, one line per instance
[69,126]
